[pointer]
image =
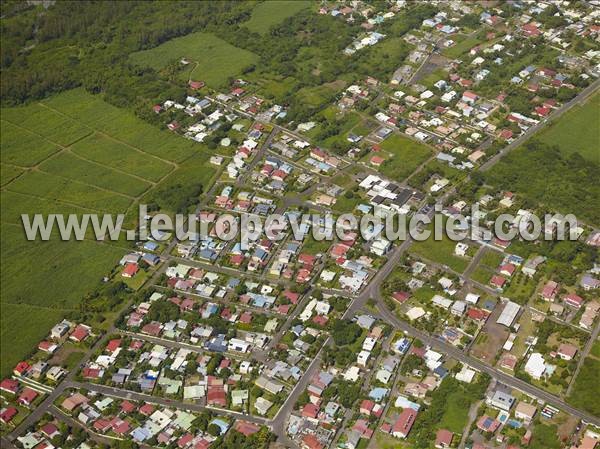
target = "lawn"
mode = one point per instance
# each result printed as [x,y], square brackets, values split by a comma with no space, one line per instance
[456,415]
[212,59]
[405,155]
[577,131]
[273,12]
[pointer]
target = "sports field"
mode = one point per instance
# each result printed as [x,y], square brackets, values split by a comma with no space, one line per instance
[577,131]
[273,12]
[212,60]
[73,154]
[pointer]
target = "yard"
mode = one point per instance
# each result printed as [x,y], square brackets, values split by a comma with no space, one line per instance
[212,60]
[441,252]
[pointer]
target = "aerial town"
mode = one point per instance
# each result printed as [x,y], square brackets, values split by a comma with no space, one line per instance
[472,108]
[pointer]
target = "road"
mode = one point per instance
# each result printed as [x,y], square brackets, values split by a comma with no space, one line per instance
[500,376]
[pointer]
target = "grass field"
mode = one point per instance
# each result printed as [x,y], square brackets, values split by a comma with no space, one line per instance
[586,389]
[441,252]
[23,148]
[212,59]
[577,131]
[406,156]
[463,44]
[272,12]
[8,173]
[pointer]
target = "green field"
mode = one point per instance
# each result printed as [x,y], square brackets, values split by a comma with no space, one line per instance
[8,173]
[212,59]
[106,151]
[463,44]
[441,252]
[72,154]
[40,282]
[272,12]
[16,341]
[586,389]
[577,131]
[21,147]
[406,156]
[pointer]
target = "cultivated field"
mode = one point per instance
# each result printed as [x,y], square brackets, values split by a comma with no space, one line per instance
[73,154]
[273,12]
[212,59]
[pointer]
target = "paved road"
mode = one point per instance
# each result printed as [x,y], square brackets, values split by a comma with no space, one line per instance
[500,376]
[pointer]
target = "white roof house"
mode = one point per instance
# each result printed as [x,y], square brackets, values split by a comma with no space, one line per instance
[535,366]
[508,315]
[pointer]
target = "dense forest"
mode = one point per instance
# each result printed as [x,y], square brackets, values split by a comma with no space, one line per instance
[88,44]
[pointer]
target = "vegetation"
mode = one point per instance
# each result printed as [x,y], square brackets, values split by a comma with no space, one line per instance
[586,388]
[272,12]
[211,59]
[564,183]
[577,131]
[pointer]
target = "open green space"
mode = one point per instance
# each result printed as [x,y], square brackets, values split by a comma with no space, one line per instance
[564,183]
[121,125]
[45,122]
[21,147]
[70,166]
[463,44]
[441,252]
[40,282]
[17,340]
[50,186]
[577,131]
[8,173]
[406,156]
[273,12]
[106,151]
[212,59]
[586,389]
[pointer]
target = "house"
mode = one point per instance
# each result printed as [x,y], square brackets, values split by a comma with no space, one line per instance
[27,396]
[573,300]
[130,270]
[502,400]
[549,291]
[443,439]
[80,333]
[535,365]
[9,386]
[525,411]
[404,423]
[566,351]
